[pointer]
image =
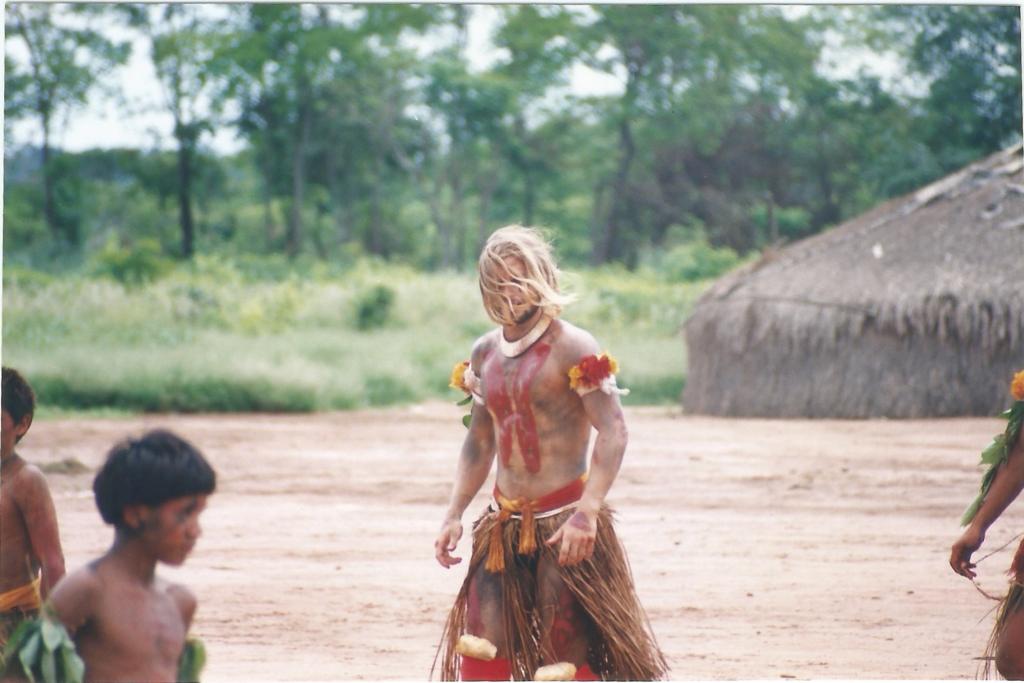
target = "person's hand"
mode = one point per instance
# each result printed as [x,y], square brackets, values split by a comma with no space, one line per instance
[960,557]
[447,539]
[577,536]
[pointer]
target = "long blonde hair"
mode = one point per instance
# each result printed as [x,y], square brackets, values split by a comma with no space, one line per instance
[540,283]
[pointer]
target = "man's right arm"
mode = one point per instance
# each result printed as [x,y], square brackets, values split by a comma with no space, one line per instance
[1007,485]
[475,462]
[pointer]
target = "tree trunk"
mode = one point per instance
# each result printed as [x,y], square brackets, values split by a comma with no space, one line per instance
[437,213]
[269,227]
[453,250]
[376,245]
[529,196]
[337,191]
[294,240]
[606,245]
[185,191]
[486,194]
[528,189]
[49,208]
[829,213]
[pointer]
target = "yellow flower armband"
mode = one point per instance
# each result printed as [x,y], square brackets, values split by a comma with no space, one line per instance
[458,378]
[595,372]
[464,379]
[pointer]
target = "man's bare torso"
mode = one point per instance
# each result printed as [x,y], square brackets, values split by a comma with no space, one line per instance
[541,429]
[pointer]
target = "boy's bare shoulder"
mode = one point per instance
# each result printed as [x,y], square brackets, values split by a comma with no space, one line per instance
[75,596]
[83,580]
[184,598]
[28,481]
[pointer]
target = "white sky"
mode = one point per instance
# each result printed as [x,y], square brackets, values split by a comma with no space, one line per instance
[141,121]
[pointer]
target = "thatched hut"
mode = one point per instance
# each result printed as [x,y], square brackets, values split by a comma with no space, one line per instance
[914,309]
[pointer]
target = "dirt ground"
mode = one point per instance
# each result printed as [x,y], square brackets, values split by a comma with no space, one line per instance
[761,548]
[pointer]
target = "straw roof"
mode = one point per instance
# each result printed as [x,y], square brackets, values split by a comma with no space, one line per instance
[913,309]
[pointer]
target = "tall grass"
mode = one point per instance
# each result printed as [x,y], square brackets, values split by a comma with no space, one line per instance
[214,336]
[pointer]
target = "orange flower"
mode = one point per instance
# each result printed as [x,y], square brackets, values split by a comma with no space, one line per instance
[1017,386]
[458,378]
[590,371]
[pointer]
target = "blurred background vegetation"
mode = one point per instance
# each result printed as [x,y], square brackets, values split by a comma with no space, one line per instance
[328,262]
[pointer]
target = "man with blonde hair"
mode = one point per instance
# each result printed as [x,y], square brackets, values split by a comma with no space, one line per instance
[548,593]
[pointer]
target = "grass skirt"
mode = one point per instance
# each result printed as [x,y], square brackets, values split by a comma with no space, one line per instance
[1009,605]
[622,645]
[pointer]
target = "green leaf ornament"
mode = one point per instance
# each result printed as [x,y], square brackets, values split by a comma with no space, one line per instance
[994,455]
[40,649]
[28,653]
[48,666]
[192,661]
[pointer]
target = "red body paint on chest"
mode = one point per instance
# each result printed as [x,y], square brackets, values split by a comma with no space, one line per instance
[509,398]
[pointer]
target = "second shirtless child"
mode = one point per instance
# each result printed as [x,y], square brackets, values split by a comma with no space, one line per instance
[128,624]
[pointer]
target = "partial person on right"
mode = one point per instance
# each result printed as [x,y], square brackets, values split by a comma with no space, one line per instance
[1001,484]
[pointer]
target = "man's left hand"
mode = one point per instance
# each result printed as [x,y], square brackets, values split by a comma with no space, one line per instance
[577,536]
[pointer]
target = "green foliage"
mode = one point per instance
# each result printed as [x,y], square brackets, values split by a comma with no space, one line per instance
[694,261]
[131,265]
[364,157]
[994,455]
[192,661]
[373,307]
[791,222]
[971,56]
[664,390]
[41,650]
[356,144]
[186,342]
[67,59]
[382,389]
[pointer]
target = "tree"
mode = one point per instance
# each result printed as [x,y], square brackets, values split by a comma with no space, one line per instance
[971,58]
[182,54]
[541,45]
[65,63]
[470,108]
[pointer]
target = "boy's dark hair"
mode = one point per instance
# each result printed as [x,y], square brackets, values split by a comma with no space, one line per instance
[150,470]
[16,395]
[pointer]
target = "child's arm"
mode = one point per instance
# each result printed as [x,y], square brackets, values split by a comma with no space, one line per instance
[1007,485]
[75,598]
[193,654]
[36,505]
[186,601]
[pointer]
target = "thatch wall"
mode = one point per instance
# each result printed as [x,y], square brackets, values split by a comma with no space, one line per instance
[914,309]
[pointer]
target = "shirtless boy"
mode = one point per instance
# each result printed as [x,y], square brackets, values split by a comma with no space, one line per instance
[32,561]
[548,591]
[127,623]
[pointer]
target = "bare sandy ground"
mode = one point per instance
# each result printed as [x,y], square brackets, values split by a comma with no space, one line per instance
[761,548]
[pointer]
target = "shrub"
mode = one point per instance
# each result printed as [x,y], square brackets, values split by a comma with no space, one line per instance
[135,265]
[373,307]
[696,261]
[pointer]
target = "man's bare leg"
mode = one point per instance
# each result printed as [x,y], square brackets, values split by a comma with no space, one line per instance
[484,620]
[565,627]
[1010,648]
